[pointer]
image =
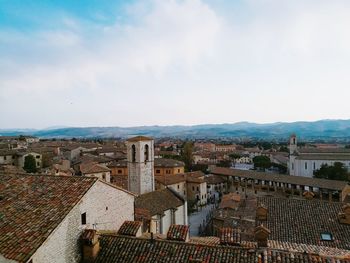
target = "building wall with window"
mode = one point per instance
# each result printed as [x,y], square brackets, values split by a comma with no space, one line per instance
[168,170]
[8,159]
[197,191]
[302,167]
[105,176]
[37,157]
[105,208]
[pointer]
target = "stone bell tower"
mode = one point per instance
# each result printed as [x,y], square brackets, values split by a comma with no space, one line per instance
[140,153]
[293,152]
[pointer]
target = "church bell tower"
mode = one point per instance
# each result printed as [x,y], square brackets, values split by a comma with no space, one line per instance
[140,154]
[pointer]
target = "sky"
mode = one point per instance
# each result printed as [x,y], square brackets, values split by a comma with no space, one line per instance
[168,62]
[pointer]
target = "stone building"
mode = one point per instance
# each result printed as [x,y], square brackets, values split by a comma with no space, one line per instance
[42,217]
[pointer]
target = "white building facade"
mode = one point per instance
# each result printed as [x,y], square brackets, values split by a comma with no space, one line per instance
[305,161]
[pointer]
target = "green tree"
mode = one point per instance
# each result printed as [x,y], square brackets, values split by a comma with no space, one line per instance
[261,162]
[332,172]
[187,155]
[30,164]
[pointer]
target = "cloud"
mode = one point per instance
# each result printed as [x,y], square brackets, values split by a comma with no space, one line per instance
[175,61]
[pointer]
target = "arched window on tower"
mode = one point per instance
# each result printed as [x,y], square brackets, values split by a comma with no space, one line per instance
[146,153]
[133,153]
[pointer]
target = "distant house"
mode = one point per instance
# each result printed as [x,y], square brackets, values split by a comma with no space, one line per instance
[93,169]
[163,166]
[17,157]
[45,221]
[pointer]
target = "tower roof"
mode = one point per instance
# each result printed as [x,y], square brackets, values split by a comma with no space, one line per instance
[139,138]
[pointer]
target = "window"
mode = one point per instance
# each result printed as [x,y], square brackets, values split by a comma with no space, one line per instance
[120,171]
[146,153]
[292,166]
[192,188]
[38,156]
[5,157]
[178,186]
[326,237]
[157,171]
[167,171]
[104,176]
[305,166]
[197,188]
[178,170]
[133,153]
[83,218]
[314,166]
[38,164]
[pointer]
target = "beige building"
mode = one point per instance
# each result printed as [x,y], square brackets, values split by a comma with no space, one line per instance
[175,182]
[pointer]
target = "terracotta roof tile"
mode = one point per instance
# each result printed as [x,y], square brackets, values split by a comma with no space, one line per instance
[32,206]
[129,228]
[300,180]
[158,201]
[303,221]
[178,232]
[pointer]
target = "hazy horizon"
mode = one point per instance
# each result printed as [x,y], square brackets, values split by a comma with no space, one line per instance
[165,125]
[172,62]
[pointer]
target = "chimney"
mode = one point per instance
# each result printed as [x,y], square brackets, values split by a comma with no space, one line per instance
[261,235]
[344,216]
[261,213]
[91,245]
[308,195]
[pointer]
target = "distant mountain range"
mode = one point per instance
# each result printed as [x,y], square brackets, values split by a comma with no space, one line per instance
[328,130]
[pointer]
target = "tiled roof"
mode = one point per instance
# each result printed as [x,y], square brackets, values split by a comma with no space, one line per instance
[177,232]
[167,163]
[129,228]
[170,179]
[130,250]
[230,236]
[298,180]
[214,179]
[124,249]
[158,201]
[207,240]
[91,168]
[139,138]
[324,150]
[303,221]
[231,200]
[32,206]
[335,157]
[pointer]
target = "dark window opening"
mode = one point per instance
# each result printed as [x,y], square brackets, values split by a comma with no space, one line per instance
[133,153]
[146,153]
[83,218]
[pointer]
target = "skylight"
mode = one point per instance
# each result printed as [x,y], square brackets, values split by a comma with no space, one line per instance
[326,237]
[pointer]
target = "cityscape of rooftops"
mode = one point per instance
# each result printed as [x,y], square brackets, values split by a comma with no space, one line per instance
[205,131]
